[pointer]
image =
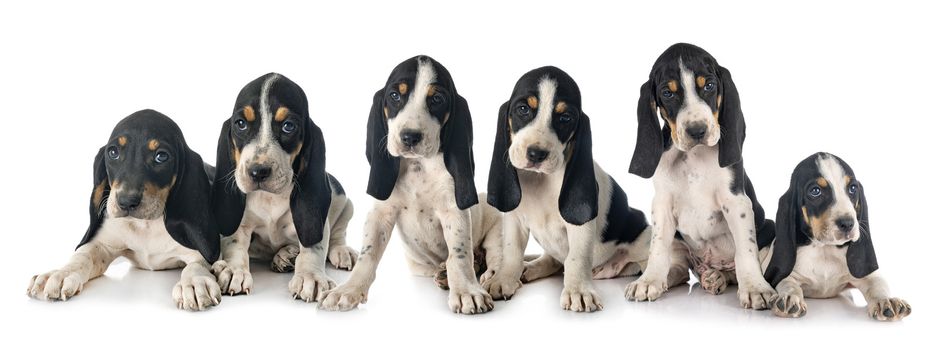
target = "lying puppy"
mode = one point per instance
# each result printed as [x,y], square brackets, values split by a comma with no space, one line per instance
[272,195]
[823,244]
[150,205]
[702,193]
[420,149]
[544,176]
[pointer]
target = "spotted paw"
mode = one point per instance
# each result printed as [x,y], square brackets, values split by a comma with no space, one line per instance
[890,309]
[470,300]
[789,305]
[713,281]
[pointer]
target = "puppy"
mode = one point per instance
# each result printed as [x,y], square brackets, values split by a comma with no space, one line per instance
[823,244]
[272,196]
[703,196]
[543,175]
[149,204]
[419,146]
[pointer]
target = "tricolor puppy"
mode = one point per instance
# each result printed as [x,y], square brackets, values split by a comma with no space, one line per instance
[272,196]
[823,244]
[544,176]
[149,204]
[419,146]
[703,197]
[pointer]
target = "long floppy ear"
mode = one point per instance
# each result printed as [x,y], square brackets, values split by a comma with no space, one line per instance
[227,198]
[649,143]
[732,124]
[99,195]
[189,217]
[504,190]
[861,258]
[456,145]
[384,167]
[578,193]
[788,219]
[311,195]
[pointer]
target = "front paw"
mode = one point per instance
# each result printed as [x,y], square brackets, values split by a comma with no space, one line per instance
[344,298]
[757,295]
[889,309]
[310,286]
[713,281]
[196,293]
[55,285]
[645,289]
[343,257]
[580,298]
[233,279]
[500,285]
[285,259]
[470,300]
[789,305]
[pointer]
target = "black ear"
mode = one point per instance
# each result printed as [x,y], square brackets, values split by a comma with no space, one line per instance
[384,167]
[227,198]
[578,193]
[99,195]
[732,124]
[504,190]
[861,258]
[189,217]
[311,195]
[788,222]
[649,143]
[456,144]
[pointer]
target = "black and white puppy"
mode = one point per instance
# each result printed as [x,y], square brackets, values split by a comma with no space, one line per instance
[544,176]
[149,204]
[823,244]
[419,146]
[272,195]
[703,196]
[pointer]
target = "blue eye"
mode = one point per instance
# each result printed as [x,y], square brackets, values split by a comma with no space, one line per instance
[852,189]
[161,157]
[288,127]
[710,86]
[667,94]
[113,152]
[241,124]
[815,191]
[395,96]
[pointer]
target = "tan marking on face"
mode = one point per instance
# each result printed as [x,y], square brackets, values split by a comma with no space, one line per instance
[152,190]
[568,151]
[847,179]
[672,85]
[445,118]
[701,81]
[98,195]
[511,134]
[816,222]
[235,152]
[822,182]
[122,140]
[532,102]
[385,112]
[248,112]
[561,107]
[296,152]
[719,100]
[281,114]
[431,90]
[153,144]
[402,88]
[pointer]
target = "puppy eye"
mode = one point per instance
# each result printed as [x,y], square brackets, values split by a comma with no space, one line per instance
[241,124]
[161,157]
[566,118]
[523,110]
[288,127]
[815,191]
[437,99]
[667,94]
[395,96]
[113,153]
[852,189]
[710,86]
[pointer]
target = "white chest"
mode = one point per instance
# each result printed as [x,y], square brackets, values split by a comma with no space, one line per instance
[269,217]
[822,269]
[539,212]
[424,187]
[146,243]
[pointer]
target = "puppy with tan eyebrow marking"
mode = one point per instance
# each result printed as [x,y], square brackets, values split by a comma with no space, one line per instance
[823,245]
[544,177]
[149,204]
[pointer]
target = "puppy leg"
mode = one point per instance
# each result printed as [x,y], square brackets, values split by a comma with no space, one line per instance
[466,296]
[505,244]
[542,267]
[579,293]
[197,288]
[880,305]
[790,302]
[654,281]
[285,259]
[310,281]
[233,273]
[341,255]
[378,228]
[754,292]
[679,273]
[88,262]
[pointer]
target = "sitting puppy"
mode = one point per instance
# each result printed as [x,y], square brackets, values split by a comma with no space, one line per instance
[823,243]
[419,146]
[544,176]
[272,195]
[149,204]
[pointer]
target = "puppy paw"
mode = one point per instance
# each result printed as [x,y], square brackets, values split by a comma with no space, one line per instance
[789,305]
[310,286]
[757,295]
[233,279]
[890,309]
[196,293]
[343,257]
[534,271]
[500,285]
[55,285]
[470,300]
[645,289]
[284,259]
[713,281]
[580,298]
[344,298]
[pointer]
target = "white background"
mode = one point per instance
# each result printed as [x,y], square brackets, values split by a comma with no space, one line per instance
[855,80]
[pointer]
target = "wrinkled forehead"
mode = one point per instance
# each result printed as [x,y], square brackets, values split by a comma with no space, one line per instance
[273,90]
[146,128]
[531,84]
[408,71]
[824,166]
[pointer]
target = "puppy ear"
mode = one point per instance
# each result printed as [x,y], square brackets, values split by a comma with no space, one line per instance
[227,198]
[189,217]
[384,167]
[504,190]
[99,195]
[456,145]
[578,193]
[732,124]
[788,227]
[861,258]
[649,144]
[311,195]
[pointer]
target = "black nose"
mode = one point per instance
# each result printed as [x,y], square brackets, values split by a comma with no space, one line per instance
[411,137]
[259,173]
[696,131]
[129,201]
[845,224]
[537,155]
